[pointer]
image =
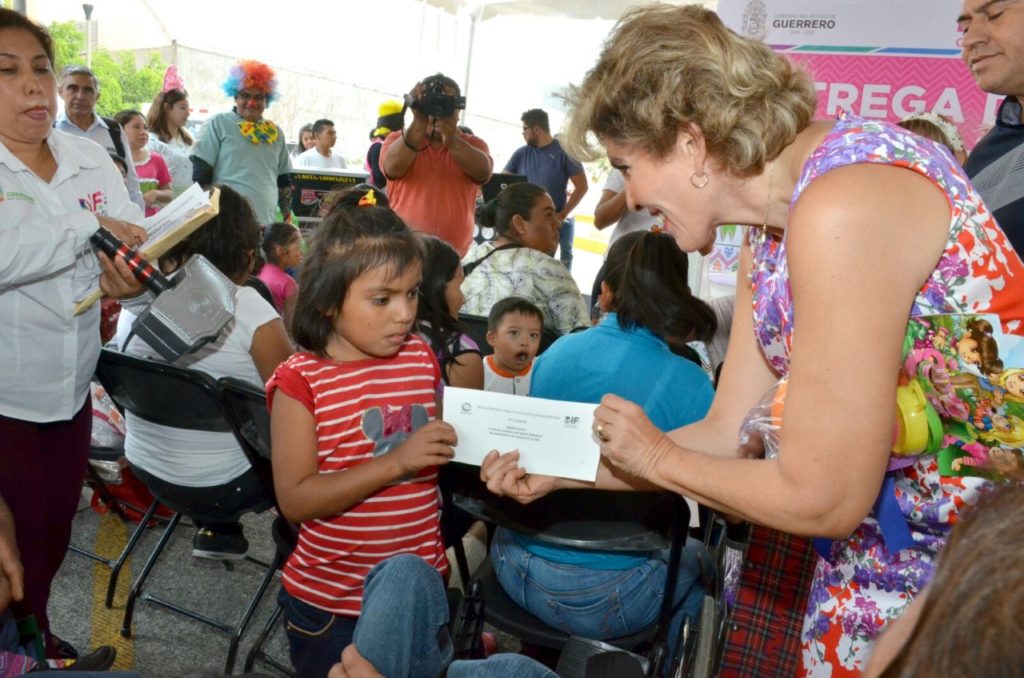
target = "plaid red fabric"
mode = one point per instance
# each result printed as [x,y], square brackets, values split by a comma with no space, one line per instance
[764,634]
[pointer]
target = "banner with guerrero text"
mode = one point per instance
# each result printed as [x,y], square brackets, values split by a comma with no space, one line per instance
[876,58]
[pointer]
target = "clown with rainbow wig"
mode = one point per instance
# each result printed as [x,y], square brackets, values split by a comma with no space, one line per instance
[242,149]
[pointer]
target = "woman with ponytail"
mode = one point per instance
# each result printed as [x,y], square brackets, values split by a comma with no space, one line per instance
[518,262]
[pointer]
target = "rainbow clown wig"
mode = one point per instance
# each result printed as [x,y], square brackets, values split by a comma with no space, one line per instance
[250,74]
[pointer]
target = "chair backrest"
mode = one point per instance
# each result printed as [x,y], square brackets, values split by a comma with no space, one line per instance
[161,393]
[476,327]
[580,519]
[583,519]
[245,407]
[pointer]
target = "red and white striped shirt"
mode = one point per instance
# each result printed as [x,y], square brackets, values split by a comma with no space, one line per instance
[359,407]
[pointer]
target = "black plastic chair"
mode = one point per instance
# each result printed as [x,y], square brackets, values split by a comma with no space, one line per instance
[99,486]
[703,642]
[182,398]
[583,519]
[245,406]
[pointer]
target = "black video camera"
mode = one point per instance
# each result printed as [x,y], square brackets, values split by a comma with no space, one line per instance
[435,102]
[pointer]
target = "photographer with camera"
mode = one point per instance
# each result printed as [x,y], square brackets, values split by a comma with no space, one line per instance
[433,169]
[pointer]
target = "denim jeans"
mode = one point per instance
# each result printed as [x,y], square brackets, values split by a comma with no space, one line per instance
[598,604]
[402,631]
[565,238]
[500,666]
[315,637]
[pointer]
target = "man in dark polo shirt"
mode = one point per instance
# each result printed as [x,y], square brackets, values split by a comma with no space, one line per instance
[544,163]
[993,48]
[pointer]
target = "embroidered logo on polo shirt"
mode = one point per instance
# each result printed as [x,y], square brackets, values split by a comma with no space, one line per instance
[17,195]
[94,202]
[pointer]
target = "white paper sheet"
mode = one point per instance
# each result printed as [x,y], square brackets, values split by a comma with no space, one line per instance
[178,211]
[553,437]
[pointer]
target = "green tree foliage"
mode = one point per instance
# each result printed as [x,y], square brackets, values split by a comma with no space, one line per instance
[122,84]
[68,43]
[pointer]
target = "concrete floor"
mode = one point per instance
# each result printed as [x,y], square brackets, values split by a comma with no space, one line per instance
[163,644]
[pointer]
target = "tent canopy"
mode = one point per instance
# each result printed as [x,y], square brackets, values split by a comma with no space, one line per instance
[482,10]
[570,9]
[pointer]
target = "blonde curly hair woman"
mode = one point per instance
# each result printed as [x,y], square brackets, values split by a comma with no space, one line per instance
[857,226]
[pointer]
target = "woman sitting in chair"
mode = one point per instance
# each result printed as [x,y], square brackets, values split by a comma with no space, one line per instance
[518,262]
[205,475]
[598,594]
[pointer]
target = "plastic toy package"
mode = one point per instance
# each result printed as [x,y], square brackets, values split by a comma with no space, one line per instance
[760,428]
[960,396]
[107,432]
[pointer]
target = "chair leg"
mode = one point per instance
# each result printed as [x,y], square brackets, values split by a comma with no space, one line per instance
[250,609]
[115,566]
[129,609]
[707,637]
[256,649]
[462,562]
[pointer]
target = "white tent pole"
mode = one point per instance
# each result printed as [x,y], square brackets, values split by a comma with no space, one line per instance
[474,18]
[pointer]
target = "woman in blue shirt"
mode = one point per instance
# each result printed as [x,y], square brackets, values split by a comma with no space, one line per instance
[649,309]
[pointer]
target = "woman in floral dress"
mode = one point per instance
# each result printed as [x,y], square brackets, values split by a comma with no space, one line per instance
[857,226]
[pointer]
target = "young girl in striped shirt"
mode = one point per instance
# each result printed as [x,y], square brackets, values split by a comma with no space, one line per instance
[356,442]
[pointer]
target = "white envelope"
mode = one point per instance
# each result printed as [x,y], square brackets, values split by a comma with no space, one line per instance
[553,437]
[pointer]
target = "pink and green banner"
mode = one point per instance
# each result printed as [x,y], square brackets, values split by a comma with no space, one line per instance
[883,59]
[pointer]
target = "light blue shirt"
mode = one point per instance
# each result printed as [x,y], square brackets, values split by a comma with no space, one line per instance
[633,364]
[100,133]
[251,169]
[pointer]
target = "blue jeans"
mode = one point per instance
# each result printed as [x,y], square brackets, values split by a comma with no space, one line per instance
[500,666]
[402,631]
[565,237]
[315,637]
[598,604]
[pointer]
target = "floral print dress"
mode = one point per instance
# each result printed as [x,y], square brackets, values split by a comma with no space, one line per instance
[862,585]
[528,273]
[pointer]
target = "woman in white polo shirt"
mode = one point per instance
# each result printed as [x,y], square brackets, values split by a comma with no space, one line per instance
[56,190]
